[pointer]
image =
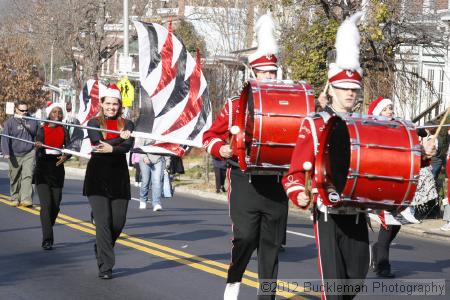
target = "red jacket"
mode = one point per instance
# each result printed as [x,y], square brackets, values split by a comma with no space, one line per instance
[305,150]
[447,171]
[219,132]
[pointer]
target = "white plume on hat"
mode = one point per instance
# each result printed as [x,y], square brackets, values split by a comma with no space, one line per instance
[266,37]
[347,43]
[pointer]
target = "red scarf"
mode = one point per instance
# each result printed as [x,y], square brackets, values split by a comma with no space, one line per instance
[112,125]
[54,136]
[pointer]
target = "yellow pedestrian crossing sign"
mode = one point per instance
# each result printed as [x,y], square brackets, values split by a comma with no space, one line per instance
[126,91]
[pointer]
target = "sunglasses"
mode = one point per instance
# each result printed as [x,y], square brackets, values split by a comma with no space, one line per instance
[22,110]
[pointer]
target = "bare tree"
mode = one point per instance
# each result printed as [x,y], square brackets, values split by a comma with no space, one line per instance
[76,29]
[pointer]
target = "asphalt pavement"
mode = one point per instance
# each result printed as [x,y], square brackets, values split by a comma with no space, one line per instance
[181,252]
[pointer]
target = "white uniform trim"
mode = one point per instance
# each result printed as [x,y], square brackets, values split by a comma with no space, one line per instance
[211,144]
[295,188]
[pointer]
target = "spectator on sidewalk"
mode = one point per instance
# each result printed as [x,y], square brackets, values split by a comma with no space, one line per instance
[426,197]
[76,133]
[20,155]
[438,160]
[176,166]
[220,168]
[135,158]
[152,174]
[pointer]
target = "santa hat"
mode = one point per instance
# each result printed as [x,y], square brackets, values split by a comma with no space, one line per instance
[377,106]
[346,72]
[264,58]
[51,106]
[111,91]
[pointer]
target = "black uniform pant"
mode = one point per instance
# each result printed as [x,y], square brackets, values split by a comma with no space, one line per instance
[381,247]
[110,216]
[50,199]
[343,249]
[258,212]
[220,177]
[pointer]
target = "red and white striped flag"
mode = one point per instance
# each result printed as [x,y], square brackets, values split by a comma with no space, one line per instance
[89,108]
[178,103]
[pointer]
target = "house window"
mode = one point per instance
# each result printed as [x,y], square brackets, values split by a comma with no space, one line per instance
[430,86]
[441,84]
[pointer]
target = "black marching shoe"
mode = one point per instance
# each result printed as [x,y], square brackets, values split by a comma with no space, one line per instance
[105,275]
[47,245]
[385,274]
[222,188]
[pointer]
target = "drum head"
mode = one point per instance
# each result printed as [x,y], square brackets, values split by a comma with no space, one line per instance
[333,161]
[249,110]
[338,155]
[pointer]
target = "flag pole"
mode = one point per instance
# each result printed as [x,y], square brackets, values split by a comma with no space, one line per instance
[67,151]
[135,134]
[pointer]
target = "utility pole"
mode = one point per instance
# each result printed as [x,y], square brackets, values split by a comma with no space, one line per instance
[125,28]
[249,24]
[181,8]
[51,62]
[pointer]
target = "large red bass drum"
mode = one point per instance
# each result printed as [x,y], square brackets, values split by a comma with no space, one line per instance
[368,162]
[269,117]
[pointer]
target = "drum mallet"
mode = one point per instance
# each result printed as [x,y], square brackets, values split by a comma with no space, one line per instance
[325,89]
[234,130]
[444,118]
[307,166]
[438,130]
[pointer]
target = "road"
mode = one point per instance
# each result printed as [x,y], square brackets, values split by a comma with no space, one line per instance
[181,252]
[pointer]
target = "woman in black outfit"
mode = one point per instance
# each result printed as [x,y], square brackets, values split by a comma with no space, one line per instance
[107,181]
[49,171]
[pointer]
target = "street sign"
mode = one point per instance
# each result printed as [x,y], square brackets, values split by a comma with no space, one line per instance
[125,63]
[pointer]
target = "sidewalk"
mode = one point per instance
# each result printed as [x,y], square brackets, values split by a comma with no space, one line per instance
[428,228]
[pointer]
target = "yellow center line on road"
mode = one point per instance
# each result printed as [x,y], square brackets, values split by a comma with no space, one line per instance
[172,255]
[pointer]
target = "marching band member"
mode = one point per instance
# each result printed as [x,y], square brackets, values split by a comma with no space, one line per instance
[49,171]
[257,203]
[391,224]
[341,233]
[445,203]
[107,181]
[389,227]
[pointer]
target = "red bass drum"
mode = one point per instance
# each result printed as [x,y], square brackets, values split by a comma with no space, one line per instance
[368,162]
[269,118]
